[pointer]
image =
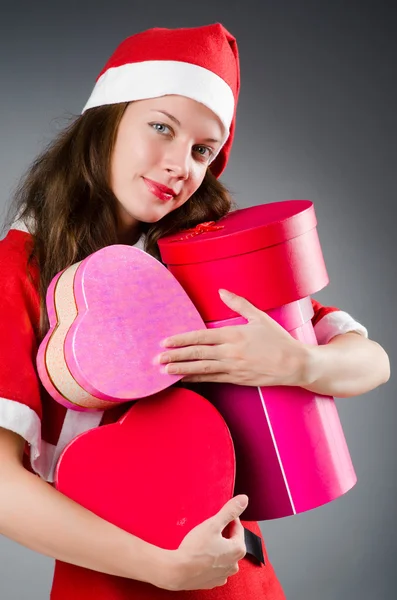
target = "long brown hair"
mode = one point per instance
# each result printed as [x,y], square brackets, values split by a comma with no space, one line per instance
[67,199]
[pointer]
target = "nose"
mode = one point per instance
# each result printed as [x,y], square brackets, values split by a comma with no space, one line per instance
[177,160]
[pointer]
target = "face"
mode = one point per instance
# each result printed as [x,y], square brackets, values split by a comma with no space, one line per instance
[162,150]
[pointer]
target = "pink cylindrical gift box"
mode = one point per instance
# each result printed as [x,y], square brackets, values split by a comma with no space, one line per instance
[291,452]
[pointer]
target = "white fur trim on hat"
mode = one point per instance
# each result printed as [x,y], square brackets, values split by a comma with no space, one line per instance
[155,78]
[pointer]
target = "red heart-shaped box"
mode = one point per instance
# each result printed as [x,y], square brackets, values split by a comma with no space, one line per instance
[167,465]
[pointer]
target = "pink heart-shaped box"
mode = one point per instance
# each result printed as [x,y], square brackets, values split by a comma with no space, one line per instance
[167,465]
[108,315]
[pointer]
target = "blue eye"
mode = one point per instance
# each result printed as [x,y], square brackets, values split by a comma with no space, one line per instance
[207,152]
[160,127]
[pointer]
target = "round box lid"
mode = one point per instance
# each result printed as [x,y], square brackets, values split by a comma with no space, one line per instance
[241,231]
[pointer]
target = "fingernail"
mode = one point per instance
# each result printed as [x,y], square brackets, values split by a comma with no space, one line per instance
[163,358]
[242,502]
[225,293]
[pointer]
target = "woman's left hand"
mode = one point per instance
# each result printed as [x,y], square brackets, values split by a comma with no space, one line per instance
[259,353]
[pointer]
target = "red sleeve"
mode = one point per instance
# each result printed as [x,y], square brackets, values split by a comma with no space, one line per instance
[20,402]
[329,321]
[320,311]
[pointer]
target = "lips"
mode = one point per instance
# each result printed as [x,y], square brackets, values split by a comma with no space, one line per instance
[161,191]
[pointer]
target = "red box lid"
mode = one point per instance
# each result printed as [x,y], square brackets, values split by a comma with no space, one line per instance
[241,231]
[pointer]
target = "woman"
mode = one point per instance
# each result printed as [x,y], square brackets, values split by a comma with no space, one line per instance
[142,161]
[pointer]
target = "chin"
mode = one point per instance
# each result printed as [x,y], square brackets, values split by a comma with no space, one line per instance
[150,217]
[153,220]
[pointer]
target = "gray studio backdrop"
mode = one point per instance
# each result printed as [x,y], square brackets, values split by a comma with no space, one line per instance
[316,120]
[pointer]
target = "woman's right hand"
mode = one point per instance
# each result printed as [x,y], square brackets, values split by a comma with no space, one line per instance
[205,559]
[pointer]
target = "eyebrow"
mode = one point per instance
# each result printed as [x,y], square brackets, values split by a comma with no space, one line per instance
[175,120]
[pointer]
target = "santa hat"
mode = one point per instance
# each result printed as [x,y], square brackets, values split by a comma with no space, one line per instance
[201,63]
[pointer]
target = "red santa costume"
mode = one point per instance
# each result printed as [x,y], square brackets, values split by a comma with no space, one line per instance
[200,63]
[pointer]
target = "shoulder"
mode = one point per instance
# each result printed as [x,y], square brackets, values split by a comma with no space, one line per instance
[19,277]
[15,251]
[16,244]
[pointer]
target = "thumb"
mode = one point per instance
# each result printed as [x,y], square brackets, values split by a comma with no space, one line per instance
[230,511]
[239,304]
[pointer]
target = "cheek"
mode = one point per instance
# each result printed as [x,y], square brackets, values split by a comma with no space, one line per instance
[197,174]
[197,178]
[141,150]
[119,163]
[134,155]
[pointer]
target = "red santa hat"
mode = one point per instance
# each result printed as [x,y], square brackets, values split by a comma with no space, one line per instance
[201,63]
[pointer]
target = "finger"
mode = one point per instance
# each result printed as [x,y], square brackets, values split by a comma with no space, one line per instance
[236,530]
[217,583]
[193,368]
[236,537]
[191,353]
[210,378]
[219,335]
[233,570]
[240,305]
[230,511]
